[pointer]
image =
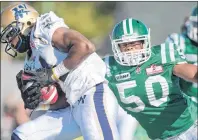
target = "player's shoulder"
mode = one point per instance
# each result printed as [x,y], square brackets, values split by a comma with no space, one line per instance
[176,38]
[46,25]
[164,44]
[49,19]
[162,48]
[167,53]
[48,16]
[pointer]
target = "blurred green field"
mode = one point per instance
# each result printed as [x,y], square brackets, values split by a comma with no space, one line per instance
[80,138]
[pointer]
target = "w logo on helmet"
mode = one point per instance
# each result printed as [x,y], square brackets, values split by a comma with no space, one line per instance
[19,11]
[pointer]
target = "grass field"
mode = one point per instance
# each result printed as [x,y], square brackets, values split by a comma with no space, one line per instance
[80,138]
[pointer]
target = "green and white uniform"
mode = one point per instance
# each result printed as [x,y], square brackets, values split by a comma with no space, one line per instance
[151,93]
[190,50]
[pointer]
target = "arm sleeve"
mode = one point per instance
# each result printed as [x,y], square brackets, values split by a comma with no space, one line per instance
[47,24]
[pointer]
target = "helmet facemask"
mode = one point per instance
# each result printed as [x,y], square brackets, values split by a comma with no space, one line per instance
[132,58]
[12,31]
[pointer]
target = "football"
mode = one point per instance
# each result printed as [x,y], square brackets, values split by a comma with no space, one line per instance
[49,94]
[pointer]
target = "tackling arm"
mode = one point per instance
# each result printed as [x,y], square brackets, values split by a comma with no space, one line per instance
[186,71]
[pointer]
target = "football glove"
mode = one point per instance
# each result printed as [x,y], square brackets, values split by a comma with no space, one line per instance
[30,90]
[42,76]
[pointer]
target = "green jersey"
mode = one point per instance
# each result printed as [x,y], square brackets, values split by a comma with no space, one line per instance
[151,93]
[190,50]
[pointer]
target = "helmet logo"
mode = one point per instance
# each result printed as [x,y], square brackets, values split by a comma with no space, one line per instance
[19,11]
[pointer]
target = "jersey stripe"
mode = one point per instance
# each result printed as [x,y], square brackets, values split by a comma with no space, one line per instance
[163,53]
[171,51]
[124,26]
[130,26]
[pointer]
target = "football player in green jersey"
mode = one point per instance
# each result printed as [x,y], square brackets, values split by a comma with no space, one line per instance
[187,42]
[145,79]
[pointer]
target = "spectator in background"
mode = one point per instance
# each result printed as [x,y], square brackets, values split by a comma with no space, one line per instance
[14,113]
[12,108]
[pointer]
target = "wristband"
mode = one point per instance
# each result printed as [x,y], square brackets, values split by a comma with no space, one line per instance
[59,71]
[43,107]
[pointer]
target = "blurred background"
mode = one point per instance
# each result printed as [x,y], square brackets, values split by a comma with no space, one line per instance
[95,20]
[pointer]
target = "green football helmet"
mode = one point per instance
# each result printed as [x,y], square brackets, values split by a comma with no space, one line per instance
[126,31]
[192,25]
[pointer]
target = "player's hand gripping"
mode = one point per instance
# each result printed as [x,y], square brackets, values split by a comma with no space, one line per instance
[30,90]
[43,76]
[30,84]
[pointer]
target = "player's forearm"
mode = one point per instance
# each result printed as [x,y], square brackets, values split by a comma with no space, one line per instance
[195,79]
[191,74]
[76,45]
[186,71]
[79,47]
[77,54]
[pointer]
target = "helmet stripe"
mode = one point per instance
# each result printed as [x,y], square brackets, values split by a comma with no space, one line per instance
[124,27]
[130,26]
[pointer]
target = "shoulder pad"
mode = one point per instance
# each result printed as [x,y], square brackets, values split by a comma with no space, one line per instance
[170,53]
[46,25]
[176,39]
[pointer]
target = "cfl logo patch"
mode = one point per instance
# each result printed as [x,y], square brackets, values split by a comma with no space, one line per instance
[19,11]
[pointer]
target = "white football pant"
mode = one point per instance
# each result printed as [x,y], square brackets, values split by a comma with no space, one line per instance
[93,116]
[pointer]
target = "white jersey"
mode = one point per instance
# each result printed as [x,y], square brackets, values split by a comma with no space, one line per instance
[89,73]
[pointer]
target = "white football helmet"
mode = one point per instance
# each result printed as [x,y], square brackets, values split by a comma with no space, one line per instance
[16,21]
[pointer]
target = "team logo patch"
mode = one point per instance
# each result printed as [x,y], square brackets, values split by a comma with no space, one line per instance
[154,70]
[123,76]
[30,64]
[138,70]
[19,11]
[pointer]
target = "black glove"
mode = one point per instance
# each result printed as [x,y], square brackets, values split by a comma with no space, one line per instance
[18,79]
[42,76]
[32,96]
[29,93]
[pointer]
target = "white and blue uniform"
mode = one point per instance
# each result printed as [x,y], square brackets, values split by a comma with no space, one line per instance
[91,114]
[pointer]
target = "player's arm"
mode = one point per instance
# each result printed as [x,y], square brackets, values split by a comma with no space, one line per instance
[66,40]
[75,44]
[173,38]
[182,70]
[186,71]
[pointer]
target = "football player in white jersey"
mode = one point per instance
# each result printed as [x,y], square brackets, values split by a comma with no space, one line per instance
[54,50]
